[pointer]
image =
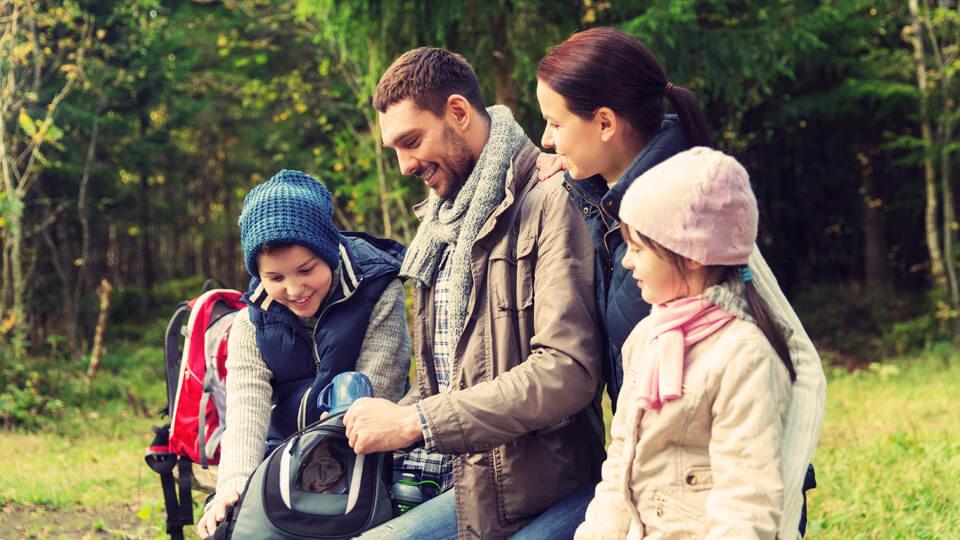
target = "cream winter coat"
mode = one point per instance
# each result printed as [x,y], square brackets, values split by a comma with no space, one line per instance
[714,462]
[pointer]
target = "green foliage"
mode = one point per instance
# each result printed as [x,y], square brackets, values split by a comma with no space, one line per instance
[25,398]
[53,393]
[855,327]
[193,103]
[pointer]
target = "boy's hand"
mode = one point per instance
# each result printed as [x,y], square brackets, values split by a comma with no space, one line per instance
[215,514]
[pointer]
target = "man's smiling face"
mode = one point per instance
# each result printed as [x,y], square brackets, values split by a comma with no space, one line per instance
[427,146]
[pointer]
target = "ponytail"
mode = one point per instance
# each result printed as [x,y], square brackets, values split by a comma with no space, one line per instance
[761,313]
[694,122]
[604,67]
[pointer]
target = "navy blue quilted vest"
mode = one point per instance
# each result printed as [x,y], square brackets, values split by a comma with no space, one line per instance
[618,298]
[303,361]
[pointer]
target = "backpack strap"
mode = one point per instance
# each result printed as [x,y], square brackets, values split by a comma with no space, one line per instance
[161,461]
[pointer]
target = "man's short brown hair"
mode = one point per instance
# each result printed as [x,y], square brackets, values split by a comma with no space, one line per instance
[428,76]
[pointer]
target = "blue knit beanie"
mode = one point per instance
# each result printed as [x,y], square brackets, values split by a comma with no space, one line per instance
[292,207]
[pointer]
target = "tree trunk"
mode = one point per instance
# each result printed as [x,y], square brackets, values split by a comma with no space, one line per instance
[937,271]
[83,213]
[103,292]
[16,266]
[381,176]
[507,92]
[147,274]
[66,299]
[875,266]
[949,217]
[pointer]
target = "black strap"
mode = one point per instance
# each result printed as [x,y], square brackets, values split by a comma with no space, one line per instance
[179,509]
[210,284]
[184,514]
[224,530]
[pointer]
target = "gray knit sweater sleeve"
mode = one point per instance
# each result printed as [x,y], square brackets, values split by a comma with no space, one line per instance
[385,353]
[248,407]
[384,357]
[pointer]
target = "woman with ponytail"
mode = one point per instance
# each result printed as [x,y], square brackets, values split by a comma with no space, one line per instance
[603,95]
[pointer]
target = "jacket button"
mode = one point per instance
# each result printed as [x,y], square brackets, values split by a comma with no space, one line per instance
[691,480]
[586,210]
[568,186]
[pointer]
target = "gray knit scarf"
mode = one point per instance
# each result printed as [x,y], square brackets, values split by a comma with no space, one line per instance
[458,221]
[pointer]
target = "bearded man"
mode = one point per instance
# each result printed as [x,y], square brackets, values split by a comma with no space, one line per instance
[504,419]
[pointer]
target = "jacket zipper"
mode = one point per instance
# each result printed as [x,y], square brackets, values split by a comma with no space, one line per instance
[302,415]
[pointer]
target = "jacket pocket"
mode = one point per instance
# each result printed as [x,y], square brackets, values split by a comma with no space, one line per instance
[666,516]
[533,473]
[511,277]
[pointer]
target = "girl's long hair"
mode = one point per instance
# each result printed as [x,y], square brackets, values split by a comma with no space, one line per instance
[604,67]
[719,274]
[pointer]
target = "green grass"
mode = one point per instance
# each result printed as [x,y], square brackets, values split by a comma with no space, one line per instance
[887,463]
[889,456]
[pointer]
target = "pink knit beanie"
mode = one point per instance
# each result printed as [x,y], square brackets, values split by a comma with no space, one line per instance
[697,204]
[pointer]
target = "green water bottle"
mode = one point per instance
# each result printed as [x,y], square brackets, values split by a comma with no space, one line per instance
[405,493]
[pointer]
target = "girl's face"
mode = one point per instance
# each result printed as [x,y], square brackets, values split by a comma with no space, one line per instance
[296,278]
[577,140]
[658,279]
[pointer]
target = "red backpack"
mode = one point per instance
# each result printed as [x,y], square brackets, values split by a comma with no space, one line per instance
[195,354]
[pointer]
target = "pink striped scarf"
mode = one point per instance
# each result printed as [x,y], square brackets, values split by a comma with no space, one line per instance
[675,327]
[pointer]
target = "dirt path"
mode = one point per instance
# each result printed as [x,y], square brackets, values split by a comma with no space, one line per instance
[79,523]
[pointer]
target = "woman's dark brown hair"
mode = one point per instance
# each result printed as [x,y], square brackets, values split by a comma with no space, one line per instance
[604,67]
[719,274]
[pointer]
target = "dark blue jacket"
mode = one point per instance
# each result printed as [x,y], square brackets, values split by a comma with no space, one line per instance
[618,298]
[302,363]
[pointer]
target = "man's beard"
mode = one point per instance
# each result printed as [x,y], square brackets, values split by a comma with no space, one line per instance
[459,160]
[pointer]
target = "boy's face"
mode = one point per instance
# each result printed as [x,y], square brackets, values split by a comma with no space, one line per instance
[427,147]
[296,278]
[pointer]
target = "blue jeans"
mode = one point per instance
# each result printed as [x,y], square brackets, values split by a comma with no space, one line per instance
[435,519]
[561,520]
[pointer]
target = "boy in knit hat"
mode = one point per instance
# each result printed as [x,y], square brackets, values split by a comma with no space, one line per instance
[320,302]
[701,440]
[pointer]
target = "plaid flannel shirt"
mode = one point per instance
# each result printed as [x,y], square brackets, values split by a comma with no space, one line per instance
[425,462]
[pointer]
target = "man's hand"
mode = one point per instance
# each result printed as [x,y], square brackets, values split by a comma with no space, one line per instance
[378,425]
[549,165]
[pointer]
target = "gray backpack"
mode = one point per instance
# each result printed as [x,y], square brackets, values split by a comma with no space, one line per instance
[312,486]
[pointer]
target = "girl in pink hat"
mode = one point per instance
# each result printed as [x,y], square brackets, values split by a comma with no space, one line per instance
[708,379]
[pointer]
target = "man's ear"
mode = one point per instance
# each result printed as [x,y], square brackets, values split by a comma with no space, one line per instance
[608,123]
[459,111]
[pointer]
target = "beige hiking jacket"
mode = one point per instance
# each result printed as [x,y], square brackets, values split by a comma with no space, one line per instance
[707,465]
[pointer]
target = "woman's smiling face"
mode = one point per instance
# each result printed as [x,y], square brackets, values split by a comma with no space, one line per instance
[574,138]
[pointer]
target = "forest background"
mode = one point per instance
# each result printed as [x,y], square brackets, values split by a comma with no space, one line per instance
[130,130]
